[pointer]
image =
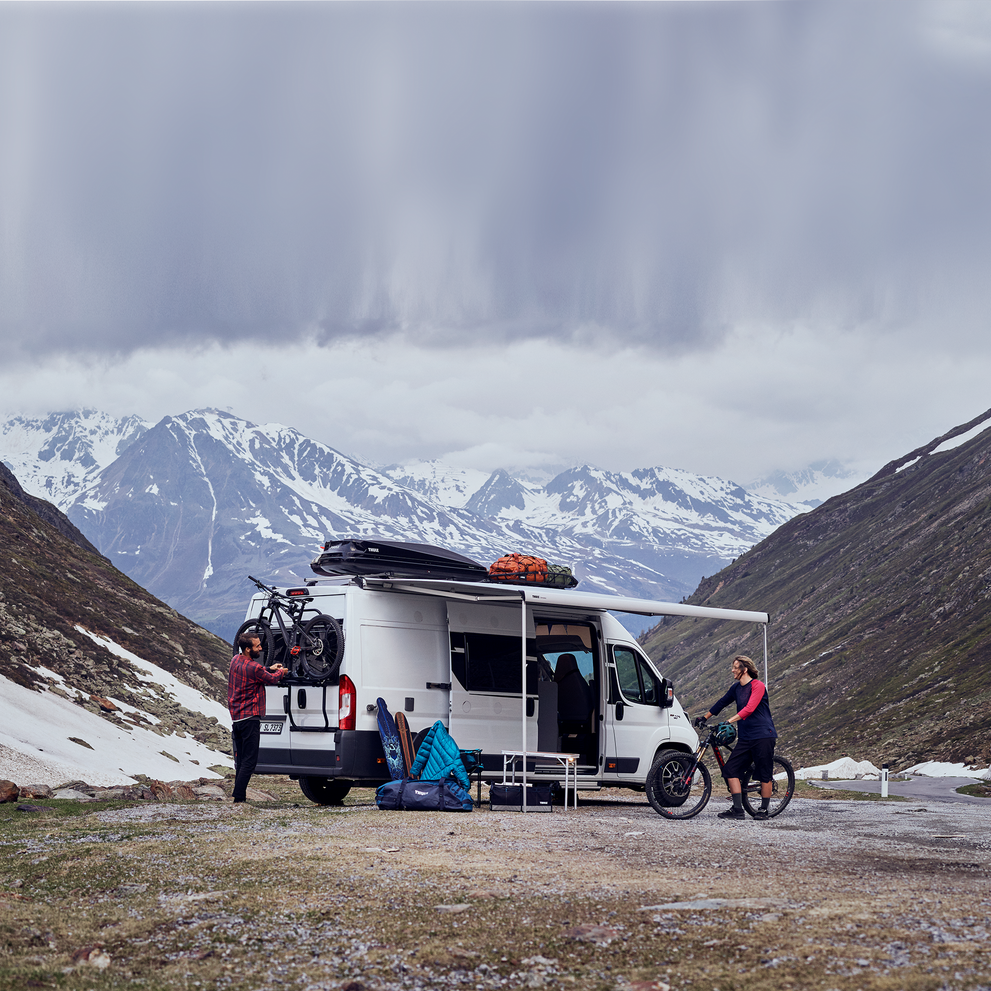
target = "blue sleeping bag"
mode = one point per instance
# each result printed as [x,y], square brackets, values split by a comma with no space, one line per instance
[439,757]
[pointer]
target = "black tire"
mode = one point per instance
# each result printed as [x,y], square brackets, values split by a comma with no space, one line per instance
[671,792]
[325,791]
[323,648]
[260,629]
[781,791]
[666,767]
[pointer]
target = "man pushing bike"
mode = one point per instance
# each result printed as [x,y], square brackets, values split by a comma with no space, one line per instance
[755,737]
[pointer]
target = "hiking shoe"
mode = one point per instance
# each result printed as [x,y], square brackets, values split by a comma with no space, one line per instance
[732,814]
[762,814]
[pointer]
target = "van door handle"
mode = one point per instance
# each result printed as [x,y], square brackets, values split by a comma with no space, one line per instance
[444,686]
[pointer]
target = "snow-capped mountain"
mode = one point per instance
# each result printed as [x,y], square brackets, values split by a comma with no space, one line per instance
[811,486]
[196,502]
[55,456]
[439,483]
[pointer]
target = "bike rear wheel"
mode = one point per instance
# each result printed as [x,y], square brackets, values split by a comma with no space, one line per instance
[258,628]
[674,790]
[323,648]
[782,788]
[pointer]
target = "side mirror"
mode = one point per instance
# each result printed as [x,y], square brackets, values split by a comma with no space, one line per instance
[667,694]
[619,712]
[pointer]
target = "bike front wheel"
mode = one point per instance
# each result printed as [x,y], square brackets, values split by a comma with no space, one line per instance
[674,790]
[782,788]
[258,628]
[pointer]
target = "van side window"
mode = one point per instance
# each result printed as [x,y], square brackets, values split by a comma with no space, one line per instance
[636,680]
[485,662]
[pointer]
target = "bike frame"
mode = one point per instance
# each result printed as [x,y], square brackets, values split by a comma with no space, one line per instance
[704,743]
[294,608]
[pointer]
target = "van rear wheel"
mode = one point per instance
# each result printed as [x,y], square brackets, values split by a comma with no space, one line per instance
[325,791]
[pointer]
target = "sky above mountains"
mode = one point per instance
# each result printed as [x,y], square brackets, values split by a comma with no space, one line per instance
[728,238]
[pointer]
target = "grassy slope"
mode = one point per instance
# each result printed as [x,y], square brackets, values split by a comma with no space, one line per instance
[49,584]
[881,615]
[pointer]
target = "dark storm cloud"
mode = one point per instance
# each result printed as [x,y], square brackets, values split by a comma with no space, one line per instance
[653,171]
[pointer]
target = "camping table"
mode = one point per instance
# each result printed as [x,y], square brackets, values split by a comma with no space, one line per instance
[568,761]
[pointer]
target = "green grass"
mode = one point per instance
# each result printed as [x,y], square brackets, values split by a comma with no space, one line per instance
[980,789]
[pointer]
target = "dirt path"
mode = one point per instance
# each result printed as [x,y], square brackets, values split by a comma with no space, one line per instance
[833,894]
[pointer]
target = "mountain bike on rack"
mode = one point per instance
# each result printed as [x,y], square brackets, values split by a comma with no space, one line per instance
[312,649]
[679,785]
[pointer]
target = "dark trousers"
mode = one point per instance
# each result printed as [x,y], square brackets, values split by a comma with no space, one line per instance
[246,733]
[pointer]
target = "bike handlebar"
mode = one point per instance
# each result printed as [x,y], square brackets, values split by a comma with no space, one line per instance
[271,589]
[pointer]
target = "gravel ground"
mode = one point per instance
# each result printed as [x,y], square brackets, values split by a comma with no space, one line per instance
[831,894]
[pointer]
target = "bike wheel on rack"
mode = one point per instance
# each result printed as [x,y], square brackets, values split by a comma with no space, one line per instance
[258,628]
[782,788]
[673,790]
[323,648]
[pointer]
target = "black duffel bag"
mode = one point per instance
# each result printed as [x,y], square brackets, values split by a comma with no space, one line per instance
[424,796]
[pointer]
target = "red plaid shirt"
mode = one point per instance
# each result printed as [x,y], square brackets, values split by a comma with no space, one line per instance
[246,681]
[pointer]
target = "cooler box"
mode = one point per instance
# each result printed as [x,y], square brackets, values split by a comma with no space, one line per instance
[538,798]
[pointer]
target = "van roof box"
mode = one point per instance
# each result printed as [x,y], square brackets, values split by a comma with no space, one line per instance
[395,559]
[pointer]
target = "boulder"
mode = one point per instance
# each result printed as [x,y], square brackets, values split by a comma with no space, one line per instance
[160,790]
[73,794]
[254,795]
[34,791]
[208,793]
[8,791]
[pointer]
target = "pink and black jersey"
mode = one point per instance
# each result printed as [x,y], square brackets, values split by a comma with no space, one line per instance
[755,712]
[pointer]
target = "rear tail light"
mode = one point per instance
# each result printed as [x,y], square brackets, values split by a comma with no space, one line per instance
[346,703]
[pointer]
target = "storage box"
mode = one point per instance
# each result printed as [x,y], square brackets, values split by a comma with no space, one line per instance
[538,798]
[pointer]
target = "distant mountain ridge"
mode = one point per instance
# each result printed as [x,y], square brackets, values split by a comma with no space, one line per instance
[812,485]
[881,615]
[192,504]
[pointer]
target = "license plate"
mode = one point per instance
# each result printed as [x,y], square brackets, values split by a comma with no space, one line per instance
[272,727]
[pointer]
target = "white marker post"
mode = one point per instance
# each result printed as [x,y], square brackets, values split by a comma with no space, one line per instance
[884,780]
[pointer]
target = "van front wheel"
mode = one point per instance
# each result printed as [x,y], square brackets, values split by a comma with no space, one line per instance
[325,791]
[665,770]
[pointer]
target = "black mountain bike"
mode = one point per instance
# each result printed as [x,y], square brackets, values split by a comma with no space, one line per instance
[311,650]
[679,785]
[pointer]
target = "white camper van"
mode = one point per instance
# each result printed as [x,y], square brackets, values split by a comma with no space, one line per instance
[504,667]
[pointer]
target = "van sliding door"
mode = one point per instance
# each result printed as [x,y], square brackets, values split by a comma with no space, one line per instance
[486,679]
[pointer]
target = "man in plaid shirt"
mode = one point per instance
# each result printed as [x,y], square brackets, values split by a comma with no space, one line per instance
[246,683]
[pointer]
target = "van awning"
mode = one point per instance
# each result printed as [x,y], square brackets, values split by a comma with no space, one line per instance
[490,591]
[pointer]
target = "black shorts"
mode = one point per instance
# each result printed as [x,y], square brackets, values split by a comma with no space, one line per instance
[760,753]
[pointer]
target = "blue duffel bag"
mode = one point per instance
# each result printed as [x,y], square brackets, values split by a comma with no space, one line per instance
[424,796]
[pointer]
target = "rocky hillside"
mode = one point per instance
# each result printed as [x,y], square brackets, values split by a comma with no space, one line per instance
[52,583]
[880,601]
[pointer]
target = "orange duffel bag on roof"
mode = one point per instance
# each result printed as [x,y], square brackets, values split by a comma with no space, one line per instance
[519,568]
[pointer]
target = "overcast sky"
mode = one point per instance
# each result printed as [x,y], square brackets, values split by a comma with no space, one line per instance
[721,237]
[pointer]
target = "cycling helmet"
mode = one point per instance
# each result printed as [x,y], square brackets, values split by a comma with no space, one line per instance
[724,734]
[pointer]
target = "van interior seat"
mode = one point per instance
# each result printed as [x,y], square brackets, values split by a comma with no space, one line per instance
[574,696]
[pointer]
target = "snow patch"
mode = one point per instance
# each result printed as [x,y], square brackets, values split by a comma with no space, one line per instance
[36,745]
[187,697]
[843,769]
[942,769]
